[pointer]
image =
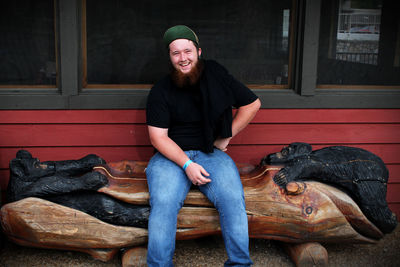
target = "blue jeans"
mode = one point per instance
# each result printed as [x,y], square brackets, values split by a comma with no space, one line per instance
[168,187]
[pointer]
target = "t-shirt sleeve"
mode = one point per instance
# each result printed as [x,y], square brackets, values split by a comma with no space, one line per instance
[241,93]
[157,112]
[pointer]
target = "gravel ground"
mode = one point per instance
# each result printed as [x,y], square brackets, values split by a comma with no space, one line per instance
[209,251]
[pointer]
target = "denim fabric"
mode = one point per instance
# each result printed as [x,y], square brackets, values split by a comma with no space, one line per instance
[168,187]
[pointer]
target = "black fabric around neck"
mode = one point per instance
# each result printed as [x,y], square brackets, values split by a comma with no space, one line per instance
[217,104]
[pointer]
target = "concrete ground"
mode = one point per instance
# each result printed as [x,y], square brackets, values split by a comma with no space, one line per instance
[209,251]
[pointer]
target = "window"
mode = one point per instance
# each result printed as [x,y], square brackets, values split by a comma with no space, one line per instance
[27,43]
[123,39]
[359,43]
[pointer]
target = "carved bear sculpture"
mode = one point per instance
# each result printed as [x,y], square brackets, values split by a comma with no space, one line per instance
[71,183]
[362,174]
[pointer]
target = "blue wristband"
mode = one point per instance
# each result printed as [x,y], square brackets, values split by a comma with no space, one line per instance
[186,164]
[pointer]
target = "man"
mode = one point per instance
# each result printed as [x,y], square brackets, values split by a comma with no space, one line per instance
[189,118]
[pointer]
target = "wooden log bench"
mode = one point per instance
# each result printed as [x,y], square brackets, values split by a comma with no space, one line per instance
[302,216]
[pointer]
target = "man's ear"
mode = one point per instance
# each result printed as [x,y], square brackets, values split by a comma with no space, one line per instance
[199,52]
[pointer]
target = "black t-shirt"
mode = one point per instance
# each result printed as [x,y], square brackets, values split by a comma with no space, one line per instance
[180,109]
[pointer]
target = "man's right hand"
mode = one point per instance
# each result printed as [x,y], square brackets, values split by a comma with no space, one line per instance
[197,174]
[160,140]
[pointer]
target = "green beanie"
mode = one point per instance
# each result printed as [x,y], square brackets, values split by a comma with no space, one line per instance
[180,32]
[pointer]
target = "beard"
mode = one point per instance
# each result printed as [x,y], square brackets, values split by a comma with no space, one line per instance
[184,80]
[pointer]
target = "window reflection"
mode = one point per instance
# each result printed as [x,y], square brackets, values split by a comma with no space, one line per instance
[358,31]
[359,43]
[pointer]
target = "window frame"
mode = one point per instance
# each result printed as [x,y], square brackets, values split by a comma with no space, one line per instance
[304,93]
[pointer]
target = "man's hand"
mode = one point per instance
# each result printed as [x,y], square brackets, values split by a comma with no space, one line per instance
[222,143]
[241,119]
[196,173]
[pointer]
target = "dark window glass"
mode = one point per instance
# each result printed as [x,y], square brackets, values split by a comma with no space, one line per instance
[359,43]
[124,38]
[27,43]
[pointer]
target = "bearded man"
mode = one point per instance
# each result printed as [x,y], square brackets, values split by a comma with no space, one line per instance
[190,123]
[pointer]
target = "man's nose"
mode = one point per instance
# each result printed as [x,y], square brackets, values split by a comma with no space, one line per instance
[182,57]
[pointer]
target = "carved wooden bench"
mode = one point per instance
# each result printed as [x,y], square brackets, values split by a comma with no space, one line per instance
[301,216]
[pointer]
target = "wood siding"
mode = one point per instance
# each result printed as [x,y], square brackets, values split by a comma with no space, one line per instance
[121,134]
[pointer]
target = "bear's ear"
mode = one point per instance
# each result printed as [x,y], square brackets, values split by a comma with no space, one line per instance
[16,168]
[23,154]
[299,148]
[305,148]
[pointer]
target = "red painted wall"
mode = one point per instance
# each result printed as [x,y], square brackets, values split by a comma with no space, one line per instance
[121,134]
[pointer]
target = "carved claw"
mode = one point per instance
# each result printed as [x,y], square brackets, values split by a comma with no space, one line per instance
[280,179]
[283,177]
